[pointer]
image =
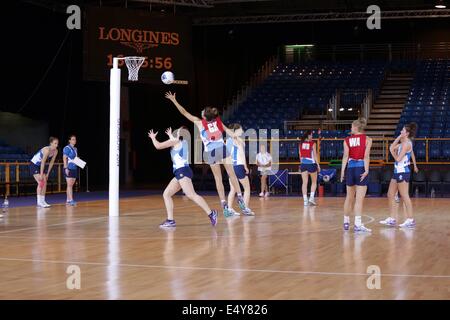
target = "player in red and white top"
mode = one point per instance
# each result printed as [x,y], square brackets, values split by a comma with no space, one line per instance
[309,166]
[357,160]
[211,132]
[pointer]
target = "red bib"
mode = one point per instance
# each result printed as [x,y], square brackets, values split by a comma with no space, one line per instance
[357,146]
[306,148]
[214,129]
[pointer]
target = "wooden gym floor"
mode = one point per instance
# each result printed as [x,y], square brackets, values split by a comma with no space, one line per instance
[285,252]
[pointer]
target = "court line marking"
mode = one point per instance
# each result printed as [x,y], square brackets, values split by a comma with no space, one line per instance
[146,266]
[371,219]
[86,220]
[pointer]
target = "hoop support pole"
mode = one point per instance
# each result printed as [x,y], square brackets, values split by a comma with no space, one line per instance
[115,63]
[114,140]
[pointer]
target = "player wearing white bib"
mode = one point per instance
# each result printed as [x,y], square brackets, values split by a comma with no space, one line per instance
[236,147]
[179,153]
[211,131]
[401,150]
[38,170]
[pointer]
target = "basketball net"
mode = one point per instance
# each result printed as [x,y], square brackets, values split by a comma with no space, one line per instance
[133,65]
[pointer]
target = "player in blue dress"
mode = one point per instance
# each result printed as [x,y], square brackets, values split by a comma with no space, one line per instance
[179,152]
[401,150]
[39,171]
[236,148]
[211,132]
[70,152]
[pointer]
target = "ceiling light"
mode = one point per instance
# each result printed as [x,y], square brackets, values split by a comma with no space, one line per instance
[440,5]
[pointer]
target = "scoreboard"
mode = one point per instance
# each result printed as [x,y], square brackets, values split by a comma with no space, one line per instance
[165,41]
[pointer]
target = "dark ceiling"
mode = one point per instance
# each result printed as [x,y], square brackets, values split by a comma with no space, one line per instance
[246,7]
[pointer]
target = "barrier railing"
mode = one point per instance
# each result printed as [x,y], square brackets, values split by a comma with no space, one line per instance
[14,176]
[379,154]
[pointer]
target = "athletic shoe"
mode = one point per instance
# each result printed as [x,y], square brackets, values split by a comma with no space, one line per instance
[305,203]
[261,194]
[346,226]
[361,228]
[266,194]
[46,205]
[213,217]
[389,222]
[71,203]
[248,212]
[233,212]
[397,198]
[409,223]
[1,216]
[168,224]
[43,205]
[244,209]
[227,213]
[312,202]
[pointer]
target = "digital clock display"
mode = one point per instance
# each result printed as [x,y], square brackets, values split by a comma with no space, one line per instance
[118,32]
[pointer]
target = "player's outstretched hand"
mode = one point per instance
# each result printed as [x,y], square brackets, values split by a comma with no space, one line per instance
[152,134]
[169,132]
[171,96]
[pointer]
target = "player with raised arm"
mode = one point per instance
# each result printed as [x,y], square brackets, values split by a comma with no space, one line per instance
[401,150]
[211,132]
[179,153]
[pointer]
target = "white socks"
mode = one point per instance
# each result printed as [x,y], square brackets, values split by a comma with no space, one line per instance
[305,198]
[311,196]
[346,219]
[40,199]
[358,221]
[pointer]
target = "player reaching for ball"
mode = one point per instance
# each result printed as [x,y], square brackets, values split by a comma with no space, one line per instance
[356,160]
[183,175]
[211,132]
[309,166]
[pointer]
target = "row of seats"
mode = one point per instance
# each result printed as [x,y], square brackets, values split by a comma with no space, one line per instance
[11,153]
[292,90]
[428,102]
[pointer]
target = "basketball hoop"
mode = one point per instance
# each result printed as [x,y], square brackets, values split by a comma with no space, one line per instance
[133,65]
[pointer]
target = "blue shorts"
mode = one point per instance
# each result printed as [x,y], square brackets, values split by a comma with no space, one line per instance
[353,177]
[310,167]
[216,155]
[36,169]
[401,177]
[183,172]
[73,173]
[239,170]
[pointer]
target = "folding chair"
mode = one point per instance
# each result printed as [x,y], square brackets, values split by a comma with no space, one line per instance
[279,180]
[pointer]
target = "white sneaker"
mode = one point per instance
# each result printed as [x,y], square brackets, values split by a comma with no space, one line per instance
[409,223]
[233,213]
[45,204]
[312,202]
[261,194]
[361,228]
[266,194]
[305,203]
[391,222]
